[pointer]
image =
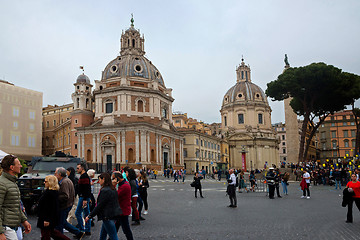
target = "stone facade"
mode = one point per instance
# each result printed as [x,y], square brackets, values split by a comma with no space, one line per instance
[246,124]
[20,125]
[127,118]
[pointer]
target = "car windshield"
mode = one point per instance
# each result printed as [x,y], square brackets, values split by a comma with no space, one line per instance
[51,166]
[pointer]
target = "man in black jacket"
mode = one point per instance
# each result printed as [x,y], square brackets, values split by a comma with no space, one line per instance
[84,191]
[270,177]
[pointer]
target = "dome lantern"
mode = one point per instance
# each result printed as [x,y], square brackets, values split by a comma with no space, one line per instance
[243,72]
[132,42]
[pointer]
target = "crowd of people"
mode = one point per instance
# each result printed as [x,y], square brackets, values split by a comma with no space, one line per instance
[122,194]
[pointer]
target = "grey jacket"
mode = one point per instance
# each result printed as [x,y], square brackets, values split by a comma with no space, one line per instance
[10,212]
[66,193]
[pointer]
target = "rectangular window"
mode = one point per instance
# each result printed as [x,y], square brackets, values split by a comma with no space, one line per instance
[324,146]
[335,153]
[353,133]
[31,141]
[334,145]
[185,152]
[333,134]
[15,124]
[197,153]
[346,144]
[75,146]
[283,143]
[344,123]
[284,150]
[31,127]
[225,122]
[260,117]
[283,137]
[240,118]
[352,123]
[353,143]
[47,124]
[15,111]
[323,136]
[346,134]
[333,124]
[15,140]
[197,141]
[109,107]
[347,153]
[54,123]
[201,142]
[32,115]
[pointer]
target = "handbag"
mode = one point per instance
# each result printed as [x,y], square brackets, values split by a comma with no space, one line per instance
[192,184]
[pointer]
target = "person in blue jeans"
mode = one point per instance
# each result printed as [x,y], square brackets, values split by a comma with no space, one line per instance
[84,191]
[107,208]
[337,178]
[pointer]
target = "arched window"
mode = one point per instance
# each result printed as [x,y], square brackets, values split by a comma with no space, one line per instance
[152,156]
[334,144]
[177,158]
[133,42]
[242,74]
[88,155]
[346,143]
[87,103]
[131,155]
[225,121]
[77,103]
[140,106]
[260,118]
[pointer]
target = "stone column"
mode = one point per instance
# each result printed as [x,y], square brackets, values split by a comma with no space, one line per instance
[148,147]
[118,148]
[79,144]
[94,148]
[143,146]
[151,106]
[118,104]
[123,147]
[136,146]
[98,148]
[128,102]
[83,145]
[157,147]
[181,152]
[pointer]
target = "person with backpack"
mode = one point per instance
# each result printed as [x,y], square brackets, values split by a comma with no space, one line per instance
[231,189]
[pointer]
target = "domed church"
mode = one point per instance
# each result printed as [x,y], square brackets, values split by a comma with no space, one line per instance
[127,118]
[246,124]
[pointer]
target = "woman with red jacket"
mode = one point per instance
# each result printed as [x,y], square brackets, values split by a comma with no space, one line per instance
[353,187]
[124,198]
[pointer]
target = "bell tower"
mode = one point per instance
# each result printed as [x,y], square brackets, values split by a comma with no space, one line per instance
[82,115]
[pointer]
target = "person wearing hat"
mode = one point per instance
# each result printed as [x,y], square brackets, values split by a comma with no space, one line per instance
[270,177]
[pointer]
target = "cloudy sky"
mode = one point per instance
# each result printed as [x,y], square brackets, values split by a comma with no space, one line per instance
[196,45]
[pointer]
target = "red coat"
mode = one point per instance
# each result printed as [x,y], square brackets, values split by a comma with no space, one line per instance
[124,198]
[303,184]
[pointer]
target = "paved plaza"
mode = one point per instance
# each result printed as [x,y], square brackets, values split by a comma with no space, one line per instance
[174,213]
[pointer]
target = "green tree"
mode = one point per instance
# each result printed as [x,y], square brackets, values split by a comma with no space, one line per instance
[317,90]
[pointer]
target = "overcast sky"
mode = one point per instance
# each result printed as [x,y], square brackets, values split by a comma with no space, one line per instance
[196,45]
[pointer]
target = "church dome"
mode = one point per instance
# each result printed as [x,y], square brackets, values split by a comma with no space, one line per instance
[132,66]
[83,79]
[132,62]
[244,91]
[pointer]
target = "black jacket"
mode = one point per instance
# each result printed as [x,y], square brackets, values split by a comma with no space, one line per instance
[48,209]
[347,196]
[84,186]
[197,181]
[107,206]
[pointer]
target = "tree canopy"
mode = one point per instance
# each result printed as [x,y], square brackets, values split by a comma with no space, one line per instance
[317,90]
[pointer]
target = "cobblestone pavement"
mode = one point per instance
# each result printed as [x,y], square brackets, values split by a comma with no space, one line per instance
[174,213]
